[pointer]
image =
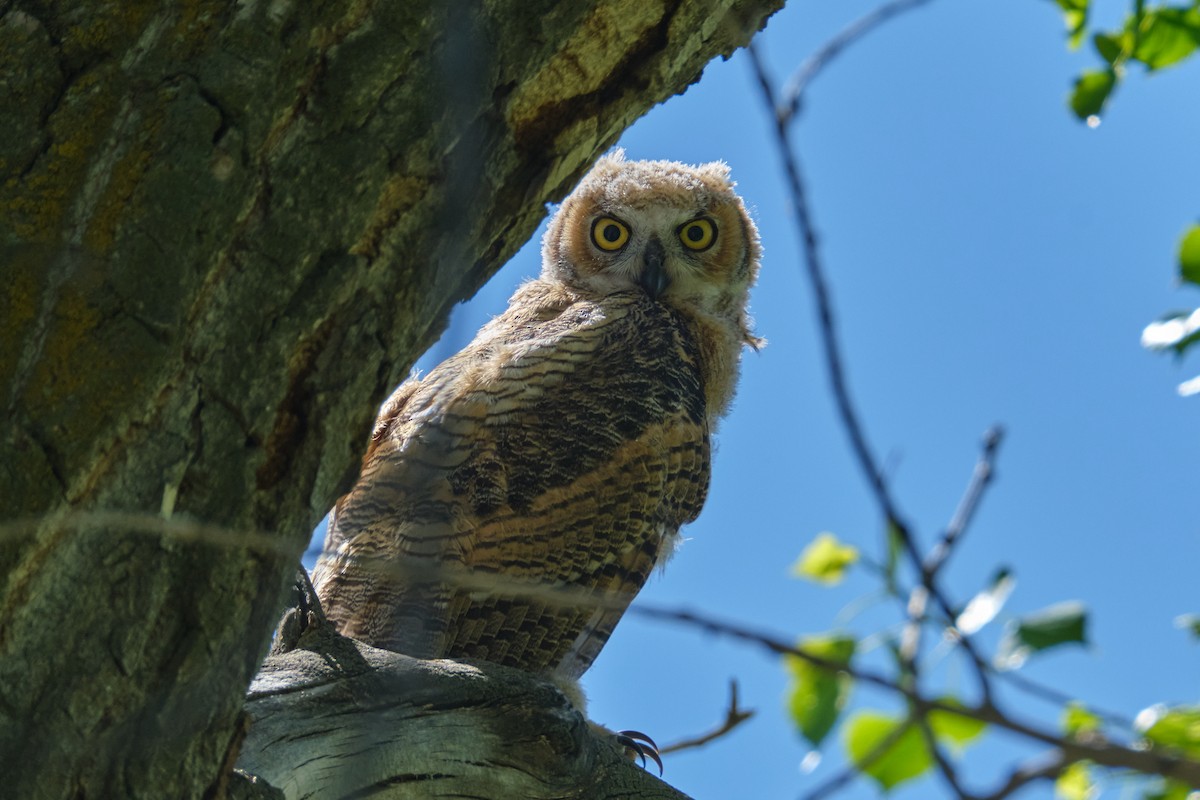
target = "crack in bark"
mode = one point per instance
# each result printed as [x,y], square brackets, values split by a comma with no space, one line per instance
[52,457]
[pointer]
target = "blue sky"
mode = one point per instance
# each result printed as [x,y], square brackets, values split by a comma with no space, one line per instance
[992,261]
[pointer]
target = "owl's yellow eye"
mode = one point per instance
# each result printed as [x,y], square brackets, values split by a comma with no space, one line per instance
[609,233]
[699,234]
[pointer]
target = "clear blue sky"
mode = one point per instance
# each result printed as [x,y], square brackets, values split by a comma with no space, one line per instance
[992,260]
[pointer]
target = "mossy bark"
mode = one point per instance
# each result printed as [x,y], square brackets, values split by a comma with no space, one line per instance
[226,230]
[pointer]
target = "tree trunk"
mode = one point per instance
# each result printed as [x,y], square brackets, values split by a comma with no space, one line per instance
[227,229]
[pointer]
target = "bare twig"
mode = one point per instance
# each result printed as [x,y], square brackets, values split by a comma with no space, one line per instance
[815,270]
[945,767]
[1052,695]
[1041,769]
[833,785]
[734,717]
[825,315]
[797,85]
[981,477]
[926,567]
[1102,752]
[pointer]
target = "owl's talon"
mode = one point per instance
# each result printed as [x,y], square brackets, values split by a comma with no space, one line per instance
[640,746]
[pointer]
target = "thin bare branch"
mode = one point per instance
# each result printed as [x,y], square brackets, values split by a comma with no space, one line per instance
[734,716]
[832,786]
[945,766]
[1059,698]
[797,85]
[981,478]
[831,346]
[1102,752]
[825,314]
[1044,768]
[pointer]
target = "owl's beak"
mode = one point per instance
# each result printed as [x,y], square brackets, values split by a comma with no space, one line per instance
[654,278]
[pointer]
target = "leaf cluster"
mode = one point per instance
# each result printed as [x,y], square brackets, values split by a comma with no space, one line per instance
[933,732]
[1155,37]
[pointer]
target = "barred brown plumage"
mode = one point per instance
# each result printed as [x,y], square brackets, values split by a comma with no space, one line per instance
[565,445]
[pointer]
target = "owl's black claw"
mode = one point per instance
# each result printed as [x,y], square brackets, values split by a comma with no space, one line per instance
[640,746]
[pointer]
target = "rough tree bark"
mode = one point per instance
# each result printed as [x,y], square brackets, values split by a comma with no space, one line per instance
[330,718]
[227,229]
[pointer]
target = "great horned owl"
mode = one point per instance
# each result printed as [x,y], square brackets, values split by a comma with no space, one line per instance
[565,446]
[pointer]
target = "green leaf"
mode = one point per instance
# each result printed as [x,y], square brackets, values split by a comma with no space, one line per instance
[1168,789]
[825,560]
[1175,728]
[1091,92]
[1189,255]
[1167,36]
[1112,46]
[817,696]
[1075,783]
[1059,624]
[905,758]
[953,729]
[1075,15]
[1076,720]
[984,606]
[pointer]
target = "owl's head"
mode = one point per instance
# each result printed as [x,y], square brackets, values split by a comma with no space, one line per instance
[676,232]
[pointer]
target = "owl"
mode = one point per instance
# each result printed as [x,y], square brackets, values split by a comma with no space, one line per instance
[514,500]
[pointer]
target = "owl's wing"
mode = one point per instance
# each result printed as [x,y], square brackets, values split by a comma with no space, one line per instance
[549,465]
[391,537]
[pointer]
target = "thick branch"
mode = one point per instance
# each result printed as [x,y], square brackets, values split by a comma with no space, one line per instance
[347,720]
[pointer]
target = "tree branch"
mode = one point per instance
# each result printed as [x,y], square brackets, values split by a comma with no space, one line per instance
[337,718]
[1102,752]
[981,478]
[947,769]
[831,346]
[1042,769]
[797,85]
[734,717]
